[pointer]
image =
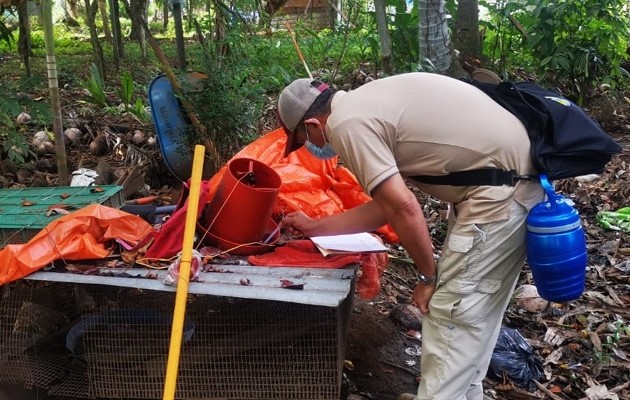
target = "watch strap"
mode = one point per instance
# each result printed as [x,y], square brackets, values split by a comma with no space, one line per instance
[422,278]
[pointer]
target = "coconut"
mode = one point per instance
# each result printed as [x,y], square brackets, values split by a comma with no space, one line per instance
[138,137]
[45,147]
[23,118]
[39,138]
[74,135]
[98,146]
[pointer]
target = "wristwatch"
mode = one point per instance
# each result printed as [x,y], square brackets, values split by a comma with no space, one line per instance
[422,278]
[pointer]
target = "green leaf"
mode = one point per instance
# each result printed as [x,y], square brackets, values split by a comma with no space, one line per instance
[94,85]
[126,93]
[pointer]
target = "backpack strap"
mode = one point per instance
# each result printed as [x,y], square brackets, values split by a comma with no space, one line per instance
[475,177]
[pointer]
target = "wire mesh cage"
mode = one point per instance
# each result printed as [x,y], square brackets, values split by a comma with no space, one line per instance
[232,348]
[105,341]
[32,316]
[14,368]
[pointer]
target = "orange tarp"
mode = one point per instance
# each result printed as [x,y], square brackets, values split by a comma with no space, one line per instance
[81,235]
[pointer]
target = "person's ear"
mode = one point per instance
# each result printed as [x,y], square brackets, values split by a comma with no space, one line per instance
[313,121]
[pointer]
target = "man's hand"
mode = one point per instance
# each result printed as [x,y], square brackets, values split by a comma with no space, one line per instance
[422,295]
[363,218]
[298,222]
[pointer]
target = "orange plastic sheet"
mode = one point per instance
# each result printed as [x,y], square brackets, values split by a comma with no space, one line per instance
[306,254]
[81,235]
[318,188]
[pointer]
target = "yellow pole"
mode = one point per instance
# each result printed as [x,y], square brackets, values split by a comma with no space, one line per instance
[181,294]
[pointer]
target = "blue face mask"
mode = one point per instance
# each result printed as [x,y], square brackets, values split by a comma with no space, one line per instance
[323,153]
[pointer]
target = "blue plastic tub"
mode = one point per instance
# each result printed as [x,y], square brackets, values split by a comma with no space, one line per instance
[171,127]
[121,319]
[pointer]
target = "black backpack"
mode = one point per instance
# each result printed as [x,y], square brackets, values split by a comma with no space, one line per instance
[565,141]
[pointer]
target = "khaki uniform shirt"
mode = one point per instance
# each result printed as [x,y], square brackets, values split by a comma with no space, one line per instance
[430,124]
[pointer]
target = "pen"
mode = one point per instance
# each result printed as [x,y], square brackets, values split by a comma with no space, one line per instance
[273,233]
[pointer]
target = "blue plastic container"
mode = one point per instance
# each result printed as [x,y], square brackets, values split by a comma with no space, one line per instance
[556,248]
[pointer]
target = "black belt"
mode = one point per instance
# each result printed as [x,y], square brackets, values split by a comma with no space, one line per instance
[475,177]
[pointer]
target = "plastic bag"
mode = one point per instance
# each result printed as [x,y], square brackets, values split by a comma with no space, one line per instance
[196,265]
[615,220]
[372,267]
[514,357]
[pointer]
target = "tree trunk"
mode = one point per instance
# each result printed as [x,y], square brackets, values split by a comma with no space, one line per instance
[53,87]
[200,34]
[189,17]
[24,39]
[165,10]
[466,38]
[137,10]
[102,7]
[433,35]
[220,29]
[116,31]
[383,34]
[179,34]
[97,50]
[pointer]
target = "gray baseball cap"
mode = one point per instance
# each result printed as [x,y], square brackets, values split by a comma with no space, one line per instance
[293,103]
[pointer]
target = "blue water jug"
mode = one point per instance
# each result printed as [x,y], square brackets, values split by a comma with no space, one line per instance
[556,247]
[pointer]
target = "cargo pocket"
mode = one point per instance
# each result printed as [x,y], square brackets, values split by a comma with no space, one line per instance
[472,299]
[459,255]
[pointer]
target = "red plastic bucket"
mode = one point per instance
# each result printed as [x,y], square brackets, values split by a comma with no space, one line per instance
[242,206]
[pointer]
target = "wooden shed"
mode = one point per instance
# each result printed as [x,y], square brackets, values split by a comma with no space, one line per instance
[318,14]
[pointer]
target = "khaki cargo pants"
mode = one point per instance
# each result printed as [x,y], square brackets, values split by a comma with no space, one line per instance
[477,273]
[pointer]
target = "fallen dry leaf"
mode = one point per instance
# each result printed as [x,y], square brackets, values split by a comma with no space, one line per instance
[57,211]
[287,284]
[597,343]
[81,268]
[600,392]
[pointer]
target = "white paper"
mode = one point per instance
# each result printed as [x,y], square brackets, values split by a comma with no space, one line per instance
[352,243]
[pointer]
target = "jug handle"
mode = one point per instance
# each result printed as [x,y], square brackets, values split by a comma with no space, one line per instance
[549,190]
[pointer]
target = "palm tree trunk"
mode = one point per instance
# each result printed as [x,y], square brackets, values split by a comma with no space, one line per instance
[433,35]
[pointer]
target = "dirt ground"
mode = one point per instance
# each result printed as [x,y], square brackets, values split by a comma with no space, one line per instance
[383,357]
